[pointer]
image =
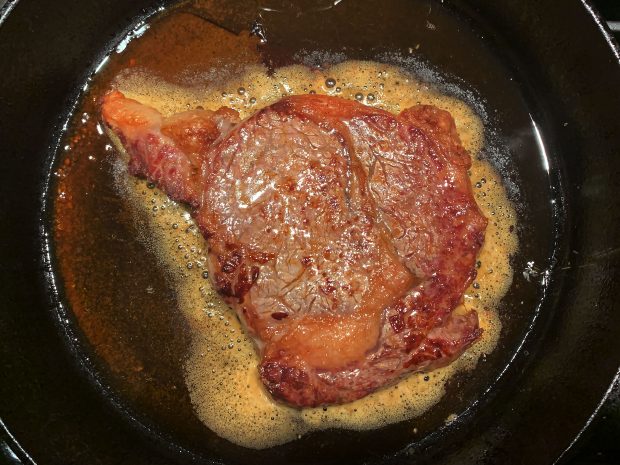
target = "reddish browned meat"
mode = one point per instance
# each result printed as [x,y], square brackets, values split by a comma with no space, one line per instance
[343,236]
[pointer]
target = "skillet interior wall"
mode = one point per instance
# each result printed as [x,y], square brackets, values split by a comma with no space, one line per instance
[53,62]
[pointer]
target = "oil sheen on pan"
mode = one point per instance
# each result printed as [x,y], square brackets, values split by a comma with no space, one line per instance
[220,364]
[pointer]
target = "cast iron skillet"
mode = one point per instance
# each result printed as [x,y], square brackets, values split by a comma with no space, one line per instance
[561,66]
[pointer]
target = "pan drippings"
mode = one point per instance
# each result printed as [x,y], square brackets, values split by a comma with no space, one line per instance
[172,347]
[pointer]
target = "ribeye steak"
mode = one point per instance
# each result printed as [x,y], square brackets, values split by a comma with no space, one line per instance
[344,236]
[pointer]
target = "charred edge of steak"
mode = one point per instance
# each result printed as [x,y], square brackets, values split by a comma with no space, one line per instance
[289,384]
[235,277]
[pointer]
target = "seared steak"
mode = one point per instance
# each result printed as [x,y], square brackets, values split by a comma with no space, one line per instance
[343,236]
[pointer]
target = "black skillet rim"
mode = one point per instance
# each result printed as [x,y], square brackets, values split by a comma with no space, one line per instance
[614,45]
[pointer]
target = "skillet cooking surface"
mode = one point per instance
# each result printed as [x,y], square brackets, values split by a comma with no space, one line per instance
[530,397]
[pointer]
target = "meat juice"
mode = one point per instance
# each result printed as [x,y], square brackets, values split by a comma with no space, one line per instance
[218,360]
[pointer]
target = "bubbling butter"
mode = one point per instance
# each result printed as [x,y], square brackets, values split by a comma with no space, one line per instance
[221,370]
